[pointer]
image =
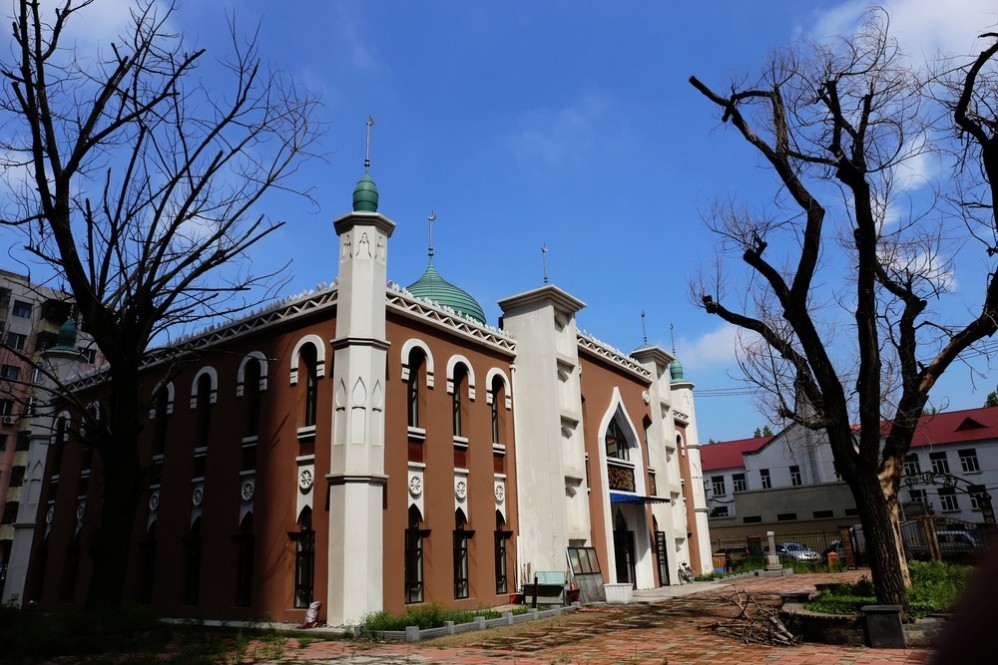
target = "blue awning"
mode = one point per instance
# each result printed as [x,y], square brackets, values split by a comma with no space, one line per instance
[617,497]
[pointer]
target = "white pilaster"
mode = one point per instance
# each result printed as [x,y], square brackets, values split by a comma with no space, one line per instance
[550,452]
[356,475]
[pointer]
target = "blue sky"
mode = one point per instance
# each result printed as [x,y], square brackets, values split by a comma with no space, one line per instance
[565,123]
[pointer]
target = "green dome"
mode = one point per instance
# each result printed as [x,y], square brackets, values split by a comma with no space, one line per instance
[676,370]
[365,195]
[67,335]
[431,286]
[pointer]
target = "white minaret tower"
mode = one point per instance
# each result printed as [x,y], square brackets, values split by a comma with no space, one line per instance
[357,467]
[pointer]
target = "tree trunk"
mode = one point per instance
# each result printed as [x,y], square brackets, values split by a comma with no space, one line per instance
[882,535]
[123,481]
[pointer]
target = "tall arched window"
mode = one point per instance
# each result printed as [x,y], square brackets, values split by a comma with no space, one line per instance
[414,535]
[497,394]
[415,397]
[459,401]
[308,365]
[193,588]
[461,537]
[58,444]
[251,393]
[162,400]
[501,538]
[147,554]
[304,559]
[244,562]
[204,408]
[616,442]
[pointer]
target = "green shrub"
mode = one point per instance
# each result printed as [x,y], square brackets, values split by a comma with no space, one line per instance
[428,616]
[935,587]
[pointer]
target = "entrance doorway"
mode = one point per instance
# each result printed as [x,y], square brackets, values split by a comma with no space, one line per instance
[623,547]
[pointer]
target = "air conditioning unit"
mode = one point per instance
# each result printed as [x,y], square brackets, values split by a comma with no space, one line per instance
[8,420]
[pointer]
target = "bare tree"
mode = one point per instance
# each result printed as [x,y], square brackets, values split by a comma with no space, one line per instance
[837,125]
[142,193]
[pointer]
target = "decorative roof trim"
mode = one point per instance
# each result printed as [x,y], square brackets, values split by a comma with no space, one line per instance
[546,293]
[286,309]
[606,352]
[445,318]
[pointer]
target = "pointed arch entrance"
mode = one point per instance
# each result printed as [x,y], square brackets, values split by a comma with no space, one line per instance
[623,550]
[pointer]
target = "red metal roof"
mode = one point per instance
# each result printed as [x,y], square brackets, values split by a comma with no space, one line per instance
[945,428]
[728,454]
[957,427]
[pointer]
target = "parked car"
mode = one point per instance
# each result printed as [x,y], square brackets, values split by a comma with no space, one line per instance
[954,545]
[797,552]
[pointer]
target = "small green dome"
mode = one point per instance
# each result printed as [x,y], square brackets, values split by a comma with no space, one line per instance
[431,286]
[365,195]
[67,335]
[676,370]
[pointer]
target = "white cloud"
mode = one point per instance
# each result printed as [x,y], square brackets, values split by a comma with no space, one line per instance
[717,347]
[557,138]
[362,54]
[922,27]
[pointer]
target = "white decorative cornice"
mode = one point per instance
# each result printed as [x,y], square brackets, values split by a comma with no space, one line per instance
[307,302]
[445,318]
[606,352]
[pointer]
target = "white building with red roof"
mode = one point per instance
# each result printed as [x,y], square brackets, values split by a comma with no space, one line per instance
[787,483]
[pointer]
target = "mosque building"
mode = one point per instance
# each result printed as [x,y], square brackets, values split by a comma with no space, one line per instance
[372,447]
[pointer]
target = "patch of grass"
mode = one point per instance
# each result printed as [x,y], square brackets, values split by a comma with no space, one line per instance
[428,616]
[28,634]
[935,588]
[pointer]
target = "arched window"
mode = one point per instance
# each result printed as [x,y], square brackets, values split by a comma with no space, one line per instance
[414,535]
[204,408]
[193,588]
[160,412]
[459,402]
[308,365]
[147,554]
[461,538]
[244,562]
[304,559]
[415,395]
[497,397]
[251,393]
[58,444]
[616,442]
[501,539]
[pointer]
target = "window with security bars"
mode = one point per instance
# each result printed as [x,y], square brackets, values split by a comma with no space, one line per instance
[717,486]
[304,560]
[968,461]
[795,478]
[947,500]
[461,574]
[939,462]
[414,536]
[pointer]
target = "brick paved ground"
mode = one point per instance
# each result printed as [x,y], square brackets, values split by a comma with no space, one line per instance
[668,631]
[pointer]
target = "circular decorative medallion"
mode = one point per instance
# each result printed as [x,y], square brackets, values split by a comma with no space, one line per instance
[461,489]
[246,491]
[305,480]
[154,501]
[500,493]
[81,510]
[415,486]
[49,515]
[198,497]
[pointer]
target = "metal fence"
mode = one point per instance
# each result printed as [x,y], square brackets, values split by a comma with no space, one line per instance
[926,538]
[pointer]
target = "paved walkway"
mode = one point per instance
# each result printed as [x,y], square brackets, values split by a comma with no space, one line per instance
[662,631]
